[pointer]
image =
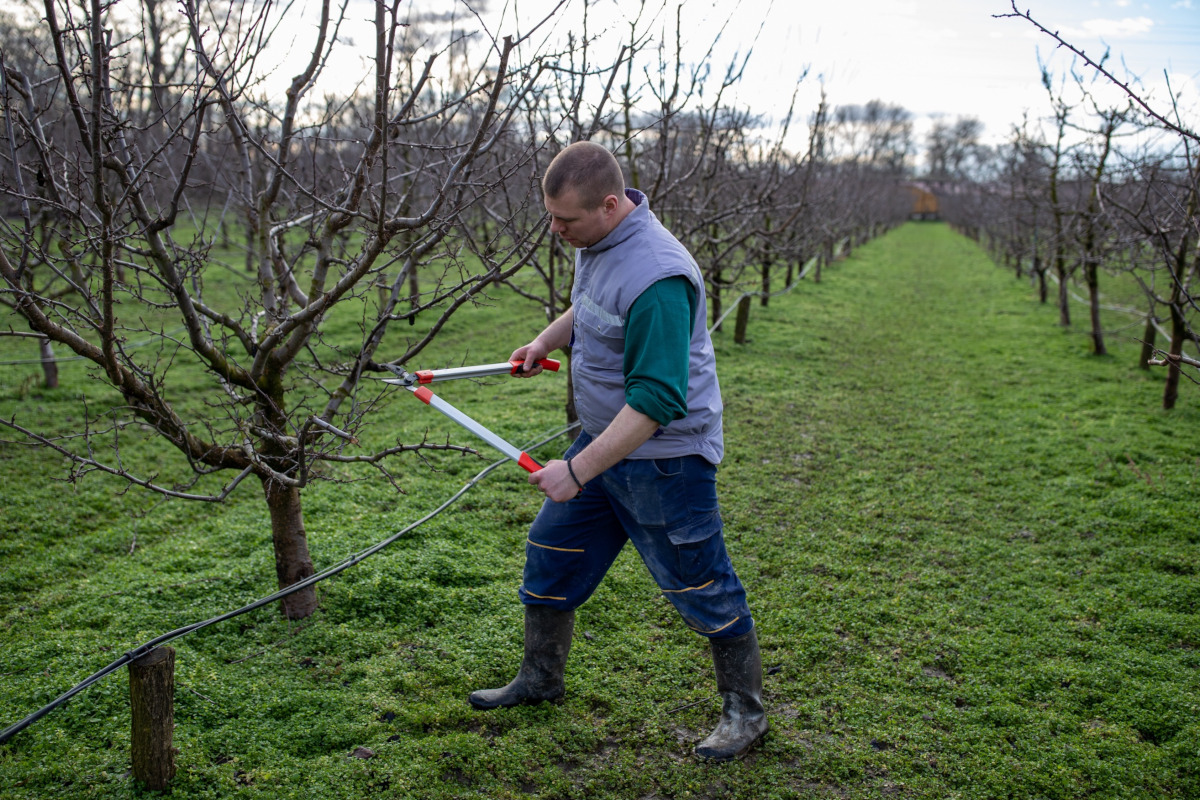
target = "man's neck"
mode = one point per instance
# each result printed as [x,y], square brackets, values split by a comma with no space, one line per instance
[624,208]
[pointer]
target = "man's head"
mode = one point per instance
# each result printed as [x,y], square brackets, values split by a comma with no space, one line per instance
[585,193]
[589,169]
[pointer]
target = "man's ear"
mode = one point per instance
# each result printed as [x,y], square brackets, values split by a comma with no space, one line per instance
[611,203]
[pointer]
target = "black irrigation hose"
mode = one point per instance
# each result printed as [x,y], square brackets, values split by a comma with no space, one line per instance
[346,563]
[138,652]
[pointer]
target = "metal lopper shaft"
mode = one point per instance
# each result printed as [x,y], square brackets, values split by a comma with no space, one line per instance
[425,376]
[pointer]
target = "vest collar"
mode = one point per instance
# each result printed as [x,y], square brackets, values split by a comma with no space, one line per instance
[634,222]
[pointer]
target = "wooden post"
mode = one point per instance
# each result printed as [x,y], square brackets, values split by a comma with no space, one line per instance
[743,317]
[152,699]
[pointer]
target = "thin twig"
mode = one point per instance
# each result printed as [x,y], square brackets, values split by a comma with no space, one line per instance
[689,705]
[193,691]
[247,658]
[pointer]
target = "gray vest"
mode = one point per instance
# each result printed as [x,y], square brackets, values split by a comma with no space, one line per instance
[609,276]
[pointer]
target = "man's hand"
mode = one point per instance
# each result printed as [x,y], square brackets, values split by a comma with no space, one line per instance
[624,434]
[557,335]
[554,479]
[531,354]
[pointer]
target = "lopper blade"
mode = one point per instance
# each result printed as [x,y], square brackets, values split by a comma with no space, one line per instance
[427,397]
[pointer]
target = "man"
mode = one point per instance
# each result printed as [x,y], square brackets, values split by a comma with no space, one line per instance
[644,465]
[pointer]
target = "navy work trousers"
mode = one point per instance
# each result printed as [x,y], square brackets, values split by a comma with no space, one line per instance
[668,508]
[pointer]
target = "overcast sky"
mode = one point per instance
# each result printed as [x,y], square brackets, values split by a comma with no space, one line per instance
[934,57]
[952,57]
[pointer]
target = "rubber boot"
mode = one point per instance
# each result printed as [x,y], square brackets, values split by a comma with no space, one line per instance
[739,681]
[547,641]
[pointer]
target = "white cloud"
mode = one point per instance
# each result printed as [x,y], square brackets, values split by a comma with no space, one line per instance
[1182,4]
[1176,93]
[1111,28]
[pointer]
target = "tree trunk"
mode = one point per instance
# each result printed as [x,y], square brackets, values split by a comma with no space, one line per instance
[1148,339]
[743,319]
[49,365]
[414,293]
[292,562]
[383,289]
[1091,274]
[716,299]
[1178,334]
[768,262]
[1179,296]
[1064,294]
[572,414]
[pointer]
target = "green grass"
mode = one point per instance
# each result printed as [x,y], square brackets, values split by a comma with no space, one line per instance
[969,545]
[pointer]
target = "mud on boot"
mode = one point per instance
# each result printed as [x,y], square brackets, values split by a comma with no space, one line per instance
[540,679]
[738,664]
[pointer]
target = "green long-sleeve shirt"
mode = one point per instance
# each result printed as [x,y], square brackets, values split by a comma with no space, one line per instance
[658,333]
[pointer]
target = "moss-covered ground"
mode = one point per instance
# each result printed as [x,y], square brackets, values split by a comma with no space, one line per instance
[970,546]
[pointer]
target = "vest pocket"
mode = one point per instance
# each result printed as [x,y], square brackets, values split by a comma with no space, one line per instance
[608,332]
[611,337]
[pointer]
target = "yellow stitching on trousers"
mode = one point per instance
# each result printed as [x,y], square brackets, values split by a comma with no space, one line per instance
[688,589]
[548,547]
[549,597]
[718,630]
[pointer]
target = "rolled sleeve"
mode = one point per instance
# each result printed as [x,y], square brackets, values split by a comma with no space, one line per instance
[658,334]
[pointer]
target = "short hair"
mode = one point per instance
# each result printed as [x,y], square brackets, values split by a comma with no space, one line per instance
[588,168]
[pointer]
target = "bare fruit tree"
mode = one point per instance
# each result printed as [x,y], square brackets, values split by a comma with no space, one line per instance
[1091,202]
[150,152]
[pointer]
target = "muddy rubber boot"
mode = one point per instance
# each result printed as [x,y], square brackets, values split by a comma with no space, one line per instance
[739,681]
[540,679]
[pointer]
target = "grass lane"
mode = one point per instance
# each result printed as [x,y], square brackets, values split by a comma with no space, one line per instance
[974,547]
[970,547]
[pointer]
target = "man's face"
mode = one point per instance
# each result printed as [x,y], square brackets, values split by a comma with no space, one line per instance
[579,226]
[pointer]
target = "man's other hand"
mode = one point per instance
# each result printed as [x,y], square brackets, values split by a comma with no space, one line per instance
[555,481]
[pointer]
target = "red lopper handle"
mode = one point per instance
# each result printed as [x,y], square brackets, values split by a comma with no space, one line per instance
[528,464]
[547,363]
